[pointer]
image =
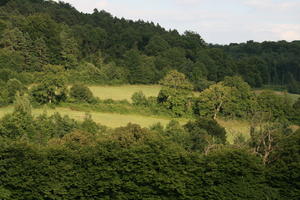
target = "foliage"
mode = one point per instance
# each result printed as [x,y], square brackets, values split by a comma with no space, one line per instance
[81,93]
[205,134]
[51,44]
[14,86]
[295,117]
[152,169]
[176,93]
[279,107]
[138,98]
[212,100]
[100,48]
[283,170]
[241,98]
[176,80]
[50,90]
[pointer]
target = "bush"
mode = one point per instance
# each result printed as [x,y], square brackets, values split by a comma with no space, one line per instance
[81,93]
[139,99]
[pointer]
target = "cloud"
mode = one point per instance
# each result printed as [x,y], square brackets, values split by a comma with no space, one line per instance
[189,2]
[278,5]
[287,32]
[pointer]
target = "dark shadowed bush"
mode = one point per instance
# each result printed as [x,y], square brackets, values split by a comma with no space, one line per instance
[81,93]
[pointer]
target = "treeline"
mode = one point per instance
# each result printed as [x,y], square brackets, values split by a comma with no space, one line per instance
[55,157]
[38,37]
[232,98]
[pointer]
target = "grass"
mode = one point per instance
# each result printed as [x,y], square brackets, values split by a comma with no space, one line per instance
[292,97]
[124,91]
[235,128]
[112,120]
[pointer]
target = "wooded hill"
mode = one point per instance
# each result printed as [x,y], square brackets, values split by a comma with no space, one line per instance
[38,37]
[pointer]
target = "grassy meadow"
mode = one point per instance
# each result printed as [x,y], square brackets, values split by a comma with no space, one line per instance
[112,120]
[235,128]
[124,92]
[292,97]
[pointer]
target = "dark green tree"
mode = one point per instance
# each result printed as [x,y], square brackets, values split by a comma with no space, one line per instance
[51,90]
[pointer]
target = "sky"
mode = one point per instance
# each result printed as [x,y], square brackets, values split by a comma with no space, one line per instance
[217,21]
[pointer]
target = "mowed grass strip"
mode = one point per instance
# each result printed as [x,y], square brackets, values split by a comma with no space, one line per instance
[124,92]
[233,128]
[112,120]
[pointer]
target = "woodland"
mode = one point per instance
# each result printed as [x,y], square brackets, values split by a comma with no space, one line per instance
[50,57]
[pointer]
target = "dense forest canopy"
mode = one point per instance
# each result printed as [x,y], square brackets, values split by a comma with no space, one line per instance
[38,37]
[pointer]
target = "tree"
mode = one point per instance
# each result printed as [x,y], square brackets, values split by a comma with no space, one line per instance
[266,132]
[241,97]
[22,105]
[176,93]
[284,166]
[14,86]
[212,100]
[205,134]
[142,69]
[279,107]
[295,117]
[4,99]
[156,45]
[176,80]
[4,193]
[20,123]
[51,90]
[70,48]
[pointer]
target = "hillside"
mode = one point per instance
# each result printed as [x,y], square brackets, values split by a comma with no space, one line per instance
[94,107]
[40,37]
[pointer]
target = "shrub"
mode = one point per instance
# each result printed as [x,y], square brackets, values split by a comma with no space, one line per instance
[81,93]
[138,98]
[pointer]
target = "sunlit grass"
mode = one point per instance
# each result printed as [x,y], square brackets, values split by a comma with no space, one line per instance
[124,91]
[235,128]
[292,97]
[112,120]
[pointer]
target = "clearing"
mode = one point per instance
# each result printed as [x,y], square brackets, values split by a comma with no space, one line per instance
[124,92]
[112,120]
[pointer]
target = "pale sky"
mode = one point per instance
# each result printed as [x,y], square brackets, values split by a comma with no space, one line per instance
[217,21]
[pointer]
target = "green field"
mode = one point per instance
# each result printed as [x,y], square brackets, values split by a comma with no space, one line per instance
[112,120]
[292,97]
[235,128]
[124,91]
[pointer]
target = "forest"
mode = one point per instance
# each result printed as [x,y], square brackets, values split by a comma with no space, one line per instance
[55,59]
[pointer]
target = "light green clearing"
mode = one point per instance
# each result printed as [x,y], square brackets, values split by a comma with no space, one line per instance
[112,120]
[292,97]
[235,128]
[124,91]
